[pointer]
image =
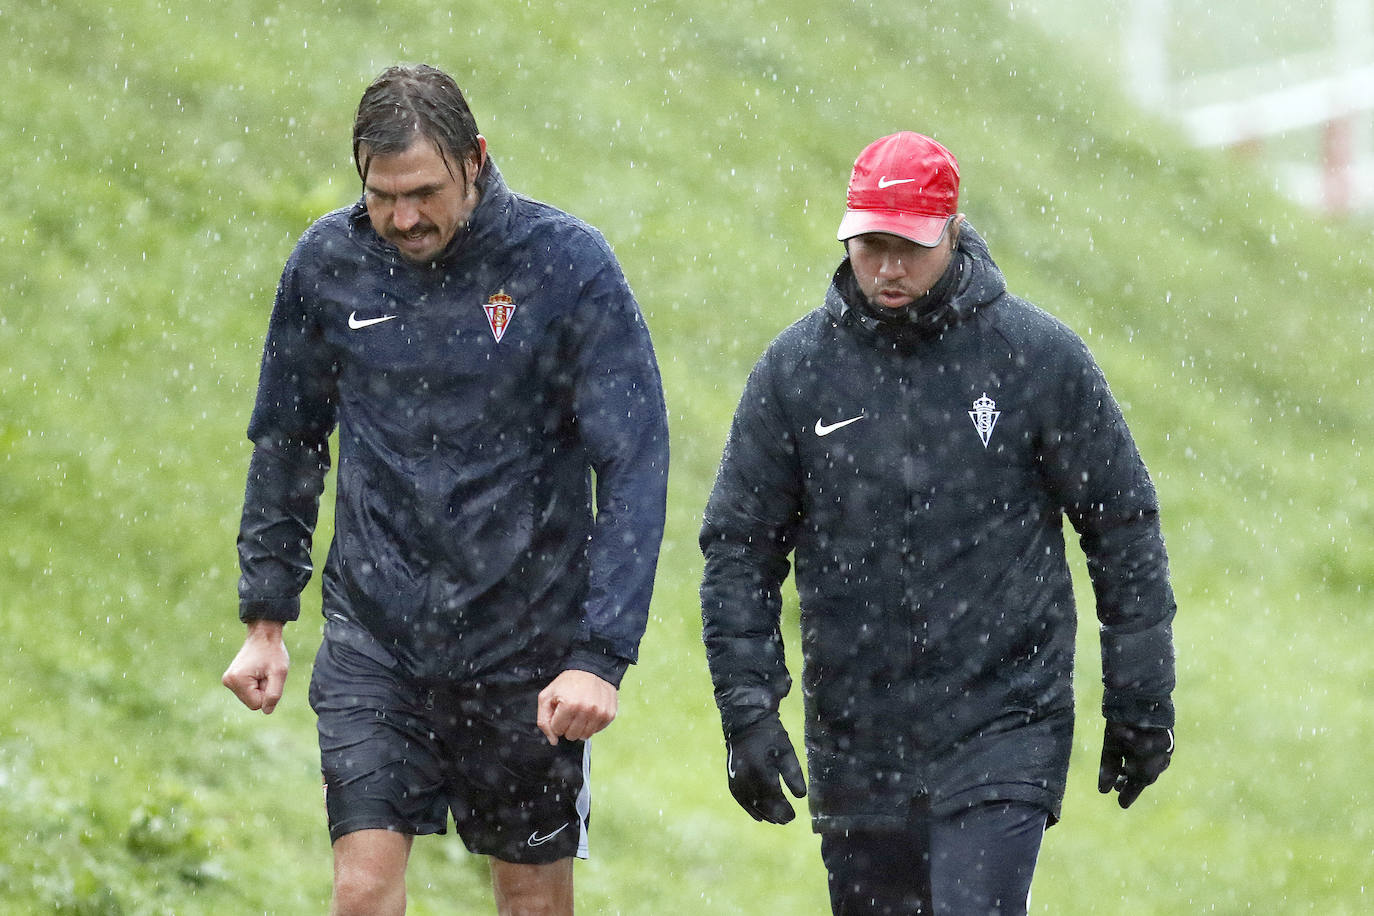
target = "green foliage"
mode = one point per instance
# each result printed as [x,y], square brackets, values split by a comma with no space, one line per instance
[164,157]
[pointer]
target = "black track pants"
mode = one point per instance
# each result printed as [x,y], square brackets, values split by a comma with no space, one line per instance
[973,863]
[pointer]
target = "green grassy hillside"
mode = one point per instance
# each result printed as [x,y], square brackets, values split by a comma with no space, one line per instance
[162,159]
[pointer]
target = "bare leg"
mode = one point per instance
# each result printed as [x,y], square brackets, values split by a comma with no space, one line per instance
[533,890]
[370,873]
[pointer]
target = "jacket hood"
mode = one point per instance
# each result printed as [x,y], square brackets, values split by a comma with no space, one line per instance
[489,222]
[973,280]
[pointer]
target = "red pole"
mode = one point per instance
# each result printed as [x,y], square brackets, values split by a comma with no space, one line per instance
[1338,143]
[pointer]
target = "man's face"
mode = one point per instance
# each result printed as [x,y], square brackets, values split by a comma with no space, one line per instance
[893,271]
[416,202]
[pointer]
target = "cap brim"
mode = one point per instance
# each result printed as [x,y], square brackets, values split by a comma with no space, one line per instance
[923,230]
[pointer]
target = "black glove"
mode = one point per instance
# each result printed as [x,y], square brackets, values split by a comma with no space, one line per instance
[1133,756]
[755,757]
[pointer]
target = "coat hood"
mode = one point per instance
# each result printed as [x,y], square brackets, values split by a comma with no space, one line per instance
[972,281]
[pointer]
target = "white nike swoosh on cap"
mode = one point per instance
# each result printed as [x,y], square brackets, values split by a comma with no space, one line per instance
[885,182]
[355,322]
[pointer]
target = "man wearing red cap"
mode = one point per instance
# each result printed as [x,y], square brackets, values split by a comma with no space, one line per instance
[913,445]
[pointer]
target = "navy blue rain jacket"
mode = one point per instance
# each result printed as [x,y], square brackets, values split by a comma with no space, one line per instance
[918,473]
[483,403]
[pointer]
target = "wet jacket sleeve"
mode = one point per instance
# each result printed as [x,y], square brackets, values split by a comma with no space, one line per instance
[623,425]
[292,418]
[1106,492]
[746,537]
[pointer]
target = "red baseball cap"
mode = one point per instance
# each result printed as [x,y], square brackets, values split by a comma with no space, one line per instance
[905,184]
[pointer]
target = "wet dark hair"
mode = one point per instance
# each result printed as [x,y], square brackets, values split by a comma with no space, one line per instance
[405,101]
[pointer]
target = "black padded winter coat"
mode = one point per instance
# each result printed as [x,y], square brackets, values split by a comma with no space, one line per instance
[918,475]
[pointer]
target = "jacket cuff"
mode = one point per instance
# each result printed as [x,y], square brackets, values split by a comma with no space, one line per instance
[281,609]
[1134,709]
[610,668]
[735,719]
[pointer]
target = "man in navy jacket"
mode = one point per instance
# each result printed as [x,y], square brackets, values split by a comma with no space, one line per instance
[914,444]
[491,379]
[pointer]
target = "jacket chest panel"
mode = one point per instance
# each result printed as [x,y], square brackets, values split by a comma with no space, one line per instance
[453,367]
[908,429]
[394,337]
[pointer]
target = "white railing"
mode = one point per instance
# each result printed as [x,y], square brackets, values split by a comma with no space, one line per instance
[1330,91]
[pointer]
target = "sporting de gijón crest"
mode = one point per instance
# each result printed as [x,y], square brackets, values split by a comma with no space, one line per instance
[500,309]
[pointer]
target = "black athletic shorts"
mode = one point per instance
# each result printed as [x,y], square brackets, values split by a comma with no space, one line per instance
[400,756]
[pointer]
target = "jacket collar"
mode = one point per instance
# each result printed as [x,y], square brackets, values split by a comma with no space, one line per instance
[490,222]
[979,282]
